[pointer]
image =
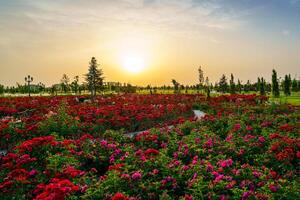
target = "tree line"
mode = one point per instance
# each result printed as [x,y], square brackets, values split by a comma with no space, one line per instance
[94,83]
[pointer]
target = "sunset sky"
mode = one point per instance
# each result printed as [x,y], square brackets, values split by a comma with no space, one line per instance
[150,41]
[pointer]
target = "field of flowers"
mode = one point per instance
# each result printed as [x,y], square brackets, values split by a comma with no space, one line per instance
[244,148]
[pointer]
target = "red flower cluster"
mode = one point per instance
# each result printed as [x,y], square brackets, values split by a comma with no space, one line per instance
[38,141]
[57,189]
[119,196]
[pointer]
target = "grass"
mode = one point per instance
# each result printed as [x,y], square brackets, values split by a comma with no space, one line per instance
[294,99]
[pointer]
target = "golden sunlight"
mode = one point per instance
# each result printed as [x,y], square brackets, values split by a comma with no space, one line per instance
[133,62]
[133,54]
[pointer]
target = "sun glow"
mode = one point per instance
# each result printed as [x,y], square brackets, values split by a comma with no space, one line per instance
[135,51]
[133,63]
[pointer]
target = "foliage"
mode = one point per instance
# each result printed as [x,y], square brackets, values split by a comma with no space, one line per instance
[223,86]
[275,85]
[94,77]
[243,148]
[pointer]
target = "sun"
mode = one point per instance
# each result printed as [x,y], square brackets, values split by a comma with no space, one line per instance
[133,62]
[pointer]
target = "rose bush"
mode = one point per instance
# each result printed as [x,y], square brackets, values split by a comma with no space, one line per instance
[242,149]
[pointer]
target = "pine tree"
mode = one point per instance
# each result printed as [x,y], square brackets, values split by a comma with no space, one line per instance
[262,90]
[258,85]
[94,77]
[207,86]
[239,86]
[275,85]
[223,85]
[294,85]
[201,78]
[287,85]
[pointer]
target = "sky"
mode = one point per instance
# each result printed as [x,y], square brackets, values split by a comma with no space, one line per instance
[148,41]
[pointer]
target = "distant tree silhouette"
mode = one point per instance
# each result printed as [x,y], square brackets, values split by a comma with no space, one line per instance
[223,85]
[201,78]
[247,86]
[262,84]
[258,84]
[239,86]
[64,82]
[2,89]
[53,90]
[287,85]
[42,87]
[150,89]
[275,85]
[94,77]
[207,87]
[75,85]
[176,86]
[232,85]
[295,85]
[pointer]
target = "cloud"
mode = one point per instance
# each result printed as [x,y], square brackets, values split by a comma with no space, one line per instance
[166,14]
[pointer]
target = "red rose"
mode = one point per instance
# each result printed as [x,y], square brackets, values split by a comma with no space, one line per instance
[119,196]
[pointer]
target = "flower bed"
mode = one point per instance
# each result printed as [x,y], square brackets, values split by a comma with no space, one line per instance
[24,118]
[242,149]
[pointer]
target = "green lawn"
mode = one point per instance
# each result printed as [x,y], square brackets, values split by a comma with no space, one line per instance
[293,99]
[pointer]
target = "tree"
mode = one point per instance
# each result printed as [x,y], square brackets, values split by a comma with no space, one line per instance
[262,90]
[275,85]
[176,86]
[1,89]
[247,86]
[294,85]
[258,85]
[41,87]
[287,85]
[232,84]
[64,82]
[201,77]
[94,77]
[207,86]
[223,86]
[239,86]
[149,88]
[75,85]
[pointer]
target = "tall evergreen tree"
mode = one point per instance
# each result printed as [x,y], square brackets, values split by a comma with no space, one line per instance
[201,78]
[232,85]
[94,77]
[294,85]
[275,85]
[1,89]
[223,85]
[258,85]
[239,86]
[207,87]
[262,90]
[287,85]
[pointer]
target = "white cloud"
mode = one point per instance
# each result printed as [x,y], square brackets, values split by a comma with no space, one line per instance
[170,15]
